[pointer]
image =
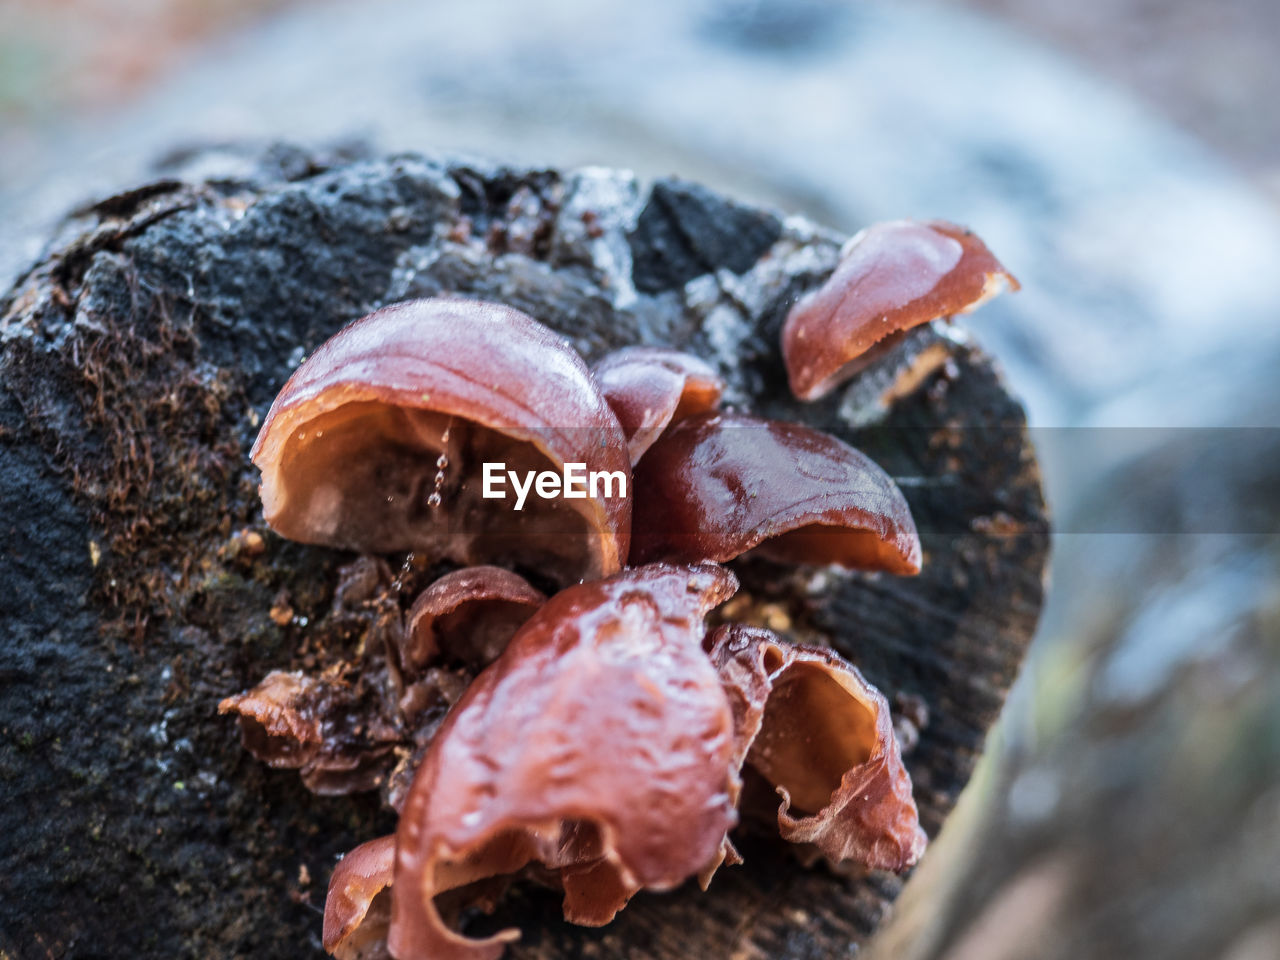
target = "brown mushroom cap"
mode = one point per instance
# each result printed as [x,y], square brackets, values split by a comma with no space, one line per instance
[719,484]
[651,387]
[280,718]
[823,738]
[598,744]
[352,448]
[469,614]
[318,727]
[891,277]
[357,910]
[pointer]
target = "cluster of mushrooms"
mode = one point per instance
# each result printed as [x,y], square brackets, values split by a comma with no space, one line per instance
[609,738]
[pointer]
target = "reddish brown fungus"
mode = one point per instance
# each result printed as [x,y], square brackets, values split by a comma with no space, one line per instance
[651,387]
[807,721]
[357,910]
[891,277]
[316,726]
[599,745]
[272,727]
[718,485]
[377,442]
[468,615]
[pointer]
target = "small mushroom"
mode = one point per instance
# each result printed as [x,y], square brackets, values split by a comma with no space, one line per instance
[338,741]
[468,615]
[276,725]
[891,277]
[599,745]
[823,737]
[377,442]
[719,484]
[357,910]
[650,388]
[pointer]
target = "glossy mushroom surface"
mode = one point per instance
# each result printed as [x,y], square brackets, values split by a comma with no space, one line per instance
[357,910]
[719,484]
[377,442]
[599,745]
[650,388]
[822,737]
[891,277]
[468,615]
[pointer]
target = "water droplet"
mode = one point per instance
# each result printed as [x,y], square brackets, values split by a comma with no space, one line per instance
[442,464]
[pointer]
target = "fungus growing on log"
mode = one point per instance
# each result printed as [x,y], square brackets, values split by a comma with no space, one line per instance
[376,442]
[891,277]
[132,439]
[818,733]
[599,744]
[719,484]
[650,388]
[468,615]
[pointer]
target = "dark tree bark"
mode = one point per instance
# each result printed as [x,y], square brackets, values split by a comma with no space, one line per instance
[137,357]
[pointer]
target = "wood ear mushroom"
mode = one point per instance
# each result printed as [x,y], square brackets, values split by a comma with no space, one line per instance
[649,388]
[357,910]
[469,614]
[891,277]
[376,442]
[822,737]
[720,484]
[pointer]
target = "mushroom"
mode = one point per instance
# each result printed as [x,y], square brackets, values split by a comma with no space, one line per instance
[357,910]
[891,277]
[814,729]
[719,484]
[468,615]
[599,744]
[338,741]
[377,442]
[651,387]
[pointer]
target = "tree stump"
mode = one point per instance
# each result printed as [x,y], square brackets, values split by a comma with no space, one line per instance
[137,358]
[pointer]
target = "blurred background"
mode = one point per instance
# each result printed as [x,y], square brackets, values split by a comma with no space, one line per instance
[1121,156]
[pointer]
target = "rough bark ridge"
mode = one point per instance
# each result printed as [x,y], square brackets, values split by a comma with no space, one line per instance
[137,356]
